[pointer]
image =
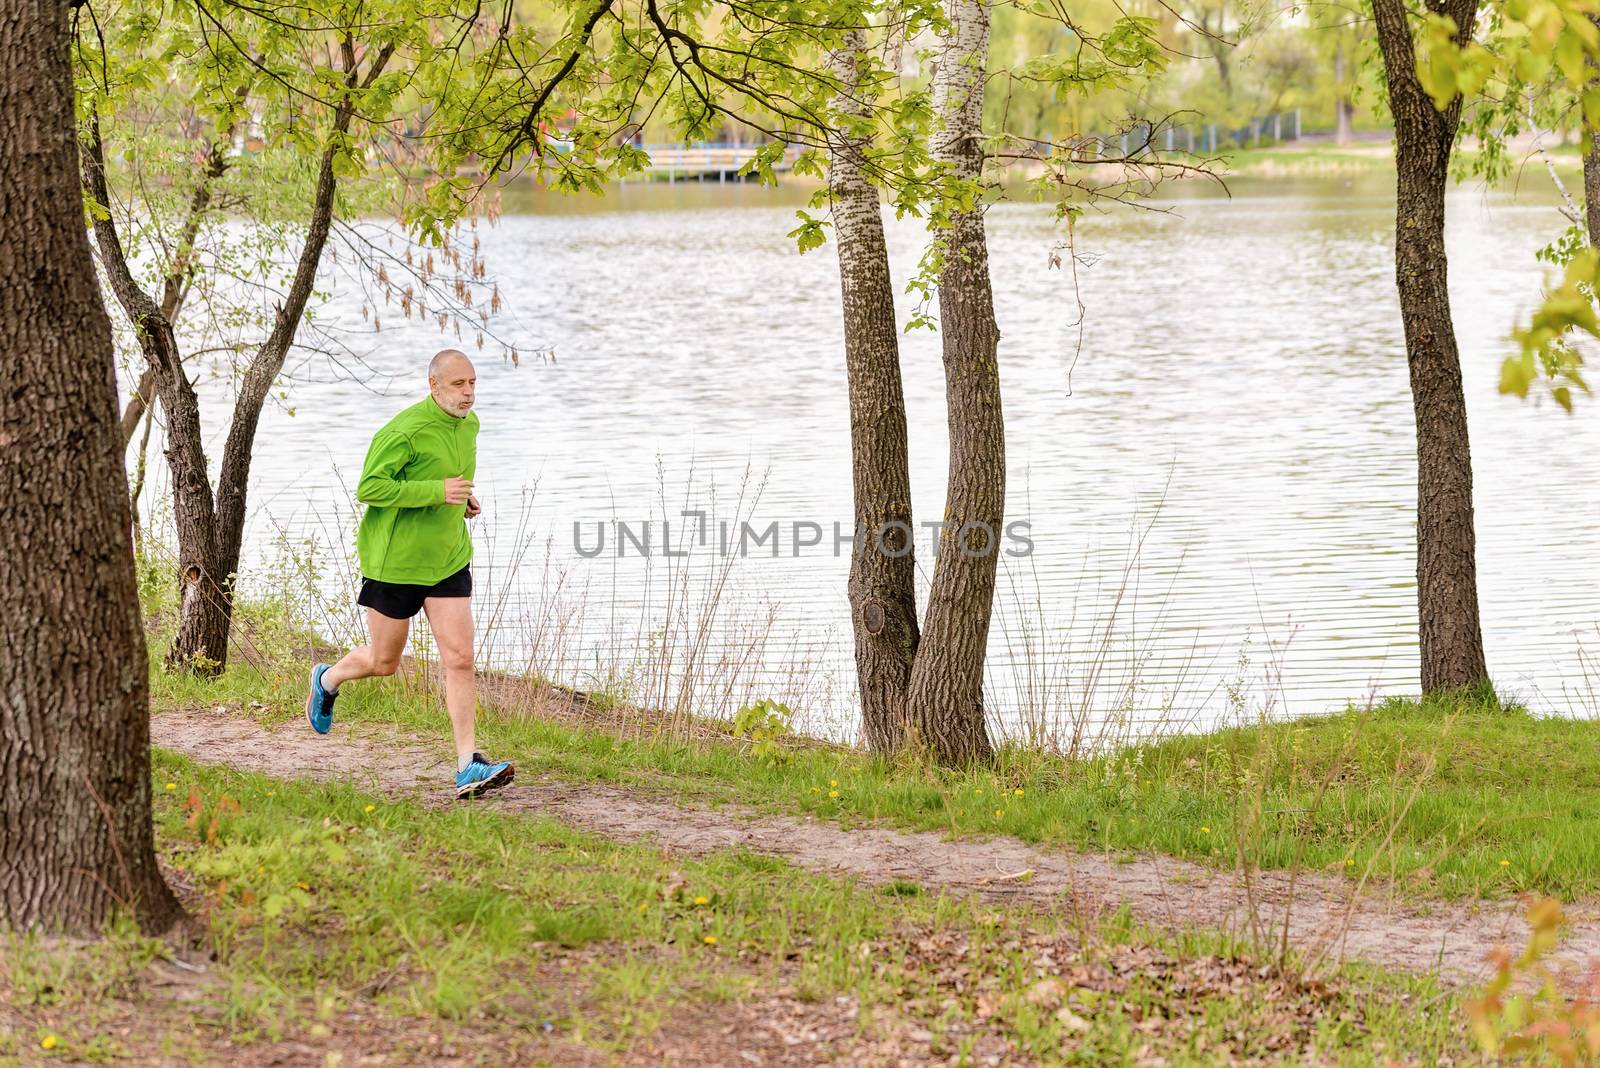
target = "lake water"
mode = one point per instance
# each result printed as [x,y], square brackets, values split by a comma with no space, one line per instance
[1219,480]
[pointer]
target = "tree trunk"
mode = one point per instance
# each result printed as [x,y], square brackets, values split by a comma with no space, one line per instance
[1447,577]
[204,614]
[1591,184]
[1219,50]
[945,704]
[1341,98]
[233,477]
[75,832]
[882,586]
[138,404]
[140,468]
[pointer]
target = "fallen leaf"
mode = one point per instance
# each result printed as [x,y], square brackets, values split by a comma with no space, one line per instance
[1047,993]
[1071,1020]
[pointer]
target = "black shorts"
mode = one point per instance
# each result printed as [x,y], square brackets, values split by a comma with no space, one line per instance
[400,600]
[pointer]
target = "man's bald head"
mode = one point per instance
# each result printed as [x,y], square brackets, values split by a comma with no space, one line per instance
[452,381]
[442,359]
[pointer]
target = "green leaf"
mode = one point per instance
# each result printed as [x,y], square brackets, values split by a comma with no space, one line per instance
[809,234]
[1517,374]
[1569,57]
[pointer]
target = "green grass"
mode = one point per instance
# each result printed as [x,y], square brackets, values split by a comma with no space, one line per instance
[334,916]
[1458,798]
[1292,159]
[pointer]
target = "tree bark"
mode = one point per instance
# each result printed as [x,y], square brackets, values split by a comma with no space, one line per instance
[882,585]
[1451,636]
[75,832]
[137,405]
[1591,170]
[140,468]
[945,704]
[1591,184]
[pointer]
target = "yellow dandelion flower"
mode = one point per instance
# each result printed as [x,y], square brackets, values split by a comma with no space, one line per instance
[833,793]
[272,793]
[49,1041]
[999,813]
[711,940]
[833,782]
[702,900]
[303,886]
[1017,792]
[172,786]
[1349,862]
[1505,863]
[371,808]
[1205,830]
[643,906]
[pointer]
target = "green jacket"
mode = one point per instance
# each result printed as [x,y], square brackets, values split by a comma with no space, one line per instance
[408,534]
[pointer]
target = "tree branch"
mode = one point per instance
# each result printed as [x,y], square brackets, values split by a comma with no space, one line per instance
[527,127]
[268,360]
[195,506]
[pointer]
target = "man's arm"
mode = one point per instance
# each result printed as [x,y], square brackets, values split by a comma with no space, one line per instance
[380,484]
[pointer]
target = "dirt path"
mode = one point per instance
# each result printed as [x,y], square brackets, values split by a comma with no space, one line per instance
[1173,894]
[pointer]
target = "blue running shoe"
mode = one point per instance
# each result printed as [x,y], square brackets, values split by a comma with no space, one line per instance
[319,705]
[480,776]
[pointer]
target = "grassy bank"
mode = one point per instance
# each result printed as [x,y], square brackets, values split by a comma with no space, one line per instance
[1451,799]
[341,925]
[1300,160]
[1295,160]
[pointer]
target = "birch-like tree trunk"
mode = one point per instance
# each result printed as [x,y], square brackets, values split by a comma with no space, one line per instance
[945,705]
[882,586]
[1343,109]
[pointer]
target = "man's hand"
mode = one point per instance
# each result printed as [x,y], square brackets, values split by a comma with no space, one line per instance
[473,507]
[457,490]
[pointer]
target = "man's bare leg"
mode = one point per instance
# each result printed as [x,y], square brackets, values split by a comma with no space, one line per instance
[380,657]
[451,621]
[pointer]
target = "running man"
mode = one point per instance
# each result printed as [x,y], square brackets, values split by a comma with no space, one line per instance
[416,553]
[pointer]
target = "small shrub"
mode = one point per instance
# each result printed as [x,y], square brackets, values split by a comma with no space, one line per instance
[763,722]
